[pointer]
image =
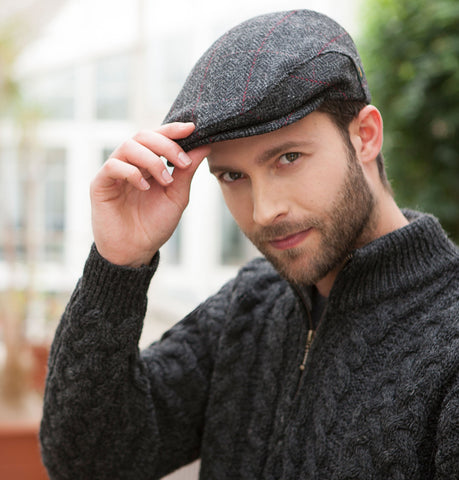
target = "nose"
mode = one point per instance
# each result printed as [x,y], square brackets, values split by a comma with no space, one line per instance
[269,204]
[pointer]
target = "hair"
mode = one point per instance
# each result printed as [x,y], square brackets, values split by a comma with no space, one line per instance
[342,113]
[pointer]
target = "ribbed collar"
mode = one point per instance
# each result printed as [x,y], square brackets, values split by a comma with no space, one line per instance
[395,263]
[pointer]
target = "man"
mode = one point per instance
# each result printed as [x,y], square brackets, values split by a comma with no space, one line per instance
[340,362]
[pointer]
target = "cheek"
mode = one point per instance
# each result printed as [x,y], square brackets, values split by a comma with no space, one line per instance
[239,204]
[323,187]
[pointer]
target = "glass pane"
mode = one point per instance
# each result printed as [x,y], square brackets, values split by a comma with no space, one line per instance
[54,202]
[53,93]
[112,88]
[234,243]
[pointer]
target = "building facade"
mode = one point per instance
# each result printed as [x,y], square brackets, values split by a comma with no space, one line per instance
[100,72]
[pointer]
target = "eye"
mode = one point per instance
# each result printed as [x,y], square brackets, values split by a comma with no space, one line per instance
[230,177]
[288,158]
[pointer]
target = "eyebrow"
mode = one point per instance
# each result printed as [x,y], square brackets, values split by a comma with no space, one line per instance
[277,150]
[264,156]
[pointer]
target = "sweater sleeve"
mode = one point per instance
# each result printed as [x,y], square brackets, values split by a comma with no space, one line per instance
[109,410]
[447,455]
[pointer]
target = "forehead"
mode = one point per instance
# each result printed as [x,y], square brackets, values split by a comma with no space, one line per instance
[312,129]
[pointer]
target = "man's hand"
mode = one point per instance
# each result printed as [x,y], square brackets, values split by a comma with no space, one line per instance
[136,203]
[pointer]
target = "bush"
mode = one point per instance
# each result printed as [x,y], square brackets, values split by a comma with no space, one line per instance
[410,49]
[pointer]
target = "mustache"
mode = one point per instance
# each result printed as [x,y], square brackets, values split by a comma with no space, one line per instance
[282,230]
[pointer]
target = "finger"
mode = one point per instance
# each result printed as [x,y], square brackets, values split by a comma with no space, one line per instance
[134,153]
[115,170]
[147,146]
[176,130]
[163,146]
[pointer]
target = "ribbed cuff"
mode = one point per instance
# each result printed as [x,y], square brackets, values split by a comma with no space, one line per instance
[114,288]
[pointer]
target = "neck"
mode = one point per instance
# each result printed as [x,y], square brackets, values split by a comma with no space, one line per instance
[325,284]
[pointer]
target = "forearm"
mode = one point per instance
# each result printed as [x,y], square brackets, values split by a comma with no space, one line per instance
[99,421]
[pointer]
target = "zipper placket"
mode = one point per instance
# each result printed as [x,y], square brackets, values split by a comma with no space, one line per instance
[307,347]
[309,339]
[311,330]
[311,336]
[310,326]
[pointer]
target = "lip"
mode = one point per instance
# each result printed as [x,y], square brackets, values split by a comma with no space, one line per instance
[290,241]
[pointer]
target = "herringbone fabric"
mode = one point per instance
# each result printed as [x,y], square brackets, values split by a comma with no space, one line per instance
[266,73]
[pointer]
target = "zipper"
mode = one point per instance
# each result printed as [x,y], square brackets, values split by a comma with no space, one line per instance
[311,330]
[348,259]
[311,335]
[310,326]
[307,347]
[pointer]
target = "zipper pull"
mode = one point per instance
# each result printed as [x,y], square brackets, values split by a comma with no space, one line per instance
[306,348]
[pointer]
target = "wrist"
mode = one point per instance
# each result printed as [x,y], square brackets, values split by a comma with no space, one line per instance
[122,259]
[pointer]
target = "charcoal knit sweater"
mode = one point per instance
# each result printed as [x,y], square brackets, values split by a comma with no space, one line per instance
[378,398]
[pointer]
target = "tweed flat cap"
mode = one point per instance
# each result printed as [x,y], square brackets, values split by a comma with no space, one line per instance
[266,73]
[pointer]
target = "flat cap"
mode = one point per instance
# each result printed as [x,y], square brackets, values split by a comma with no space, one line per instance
[266,73]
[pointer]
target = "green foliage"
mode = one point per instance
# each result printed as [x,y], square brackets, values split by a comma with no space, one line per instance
[410,50]
[9,90]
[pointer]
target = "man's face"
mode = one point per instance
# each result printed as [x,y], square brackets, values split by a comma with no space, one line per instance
[298,194]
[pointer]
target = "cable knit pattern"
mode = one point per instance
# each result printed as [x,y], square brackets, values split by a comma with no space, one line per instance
[378,399]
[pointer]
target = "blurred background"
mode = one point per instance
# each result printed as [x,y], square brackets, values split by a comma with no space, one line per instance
[77,77]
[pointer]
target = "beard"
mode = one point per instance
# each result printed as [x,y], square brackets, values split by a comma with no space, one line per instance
[342,228]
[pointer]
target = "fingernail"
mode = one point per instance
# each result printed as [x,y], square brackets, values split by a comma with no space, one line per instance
[167,177]
[144,184]
[184,159]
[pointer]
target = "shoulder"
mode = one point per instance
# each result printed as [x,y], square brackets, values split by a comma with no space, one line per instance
[255,282]
[257,286]
[259,278]
[259,270]
[258,292]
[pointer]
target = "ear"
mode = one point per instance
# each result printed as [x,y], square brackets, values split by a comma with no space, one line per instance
[366,132]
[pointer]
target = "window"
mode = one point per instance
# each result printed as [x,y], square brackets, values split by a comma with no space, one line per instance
[112,88]
[172,247]
[33,211]
[53,93]
[169,60]
[106,152]
[54,203]
[9,206]
[176,53]
[235,247]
